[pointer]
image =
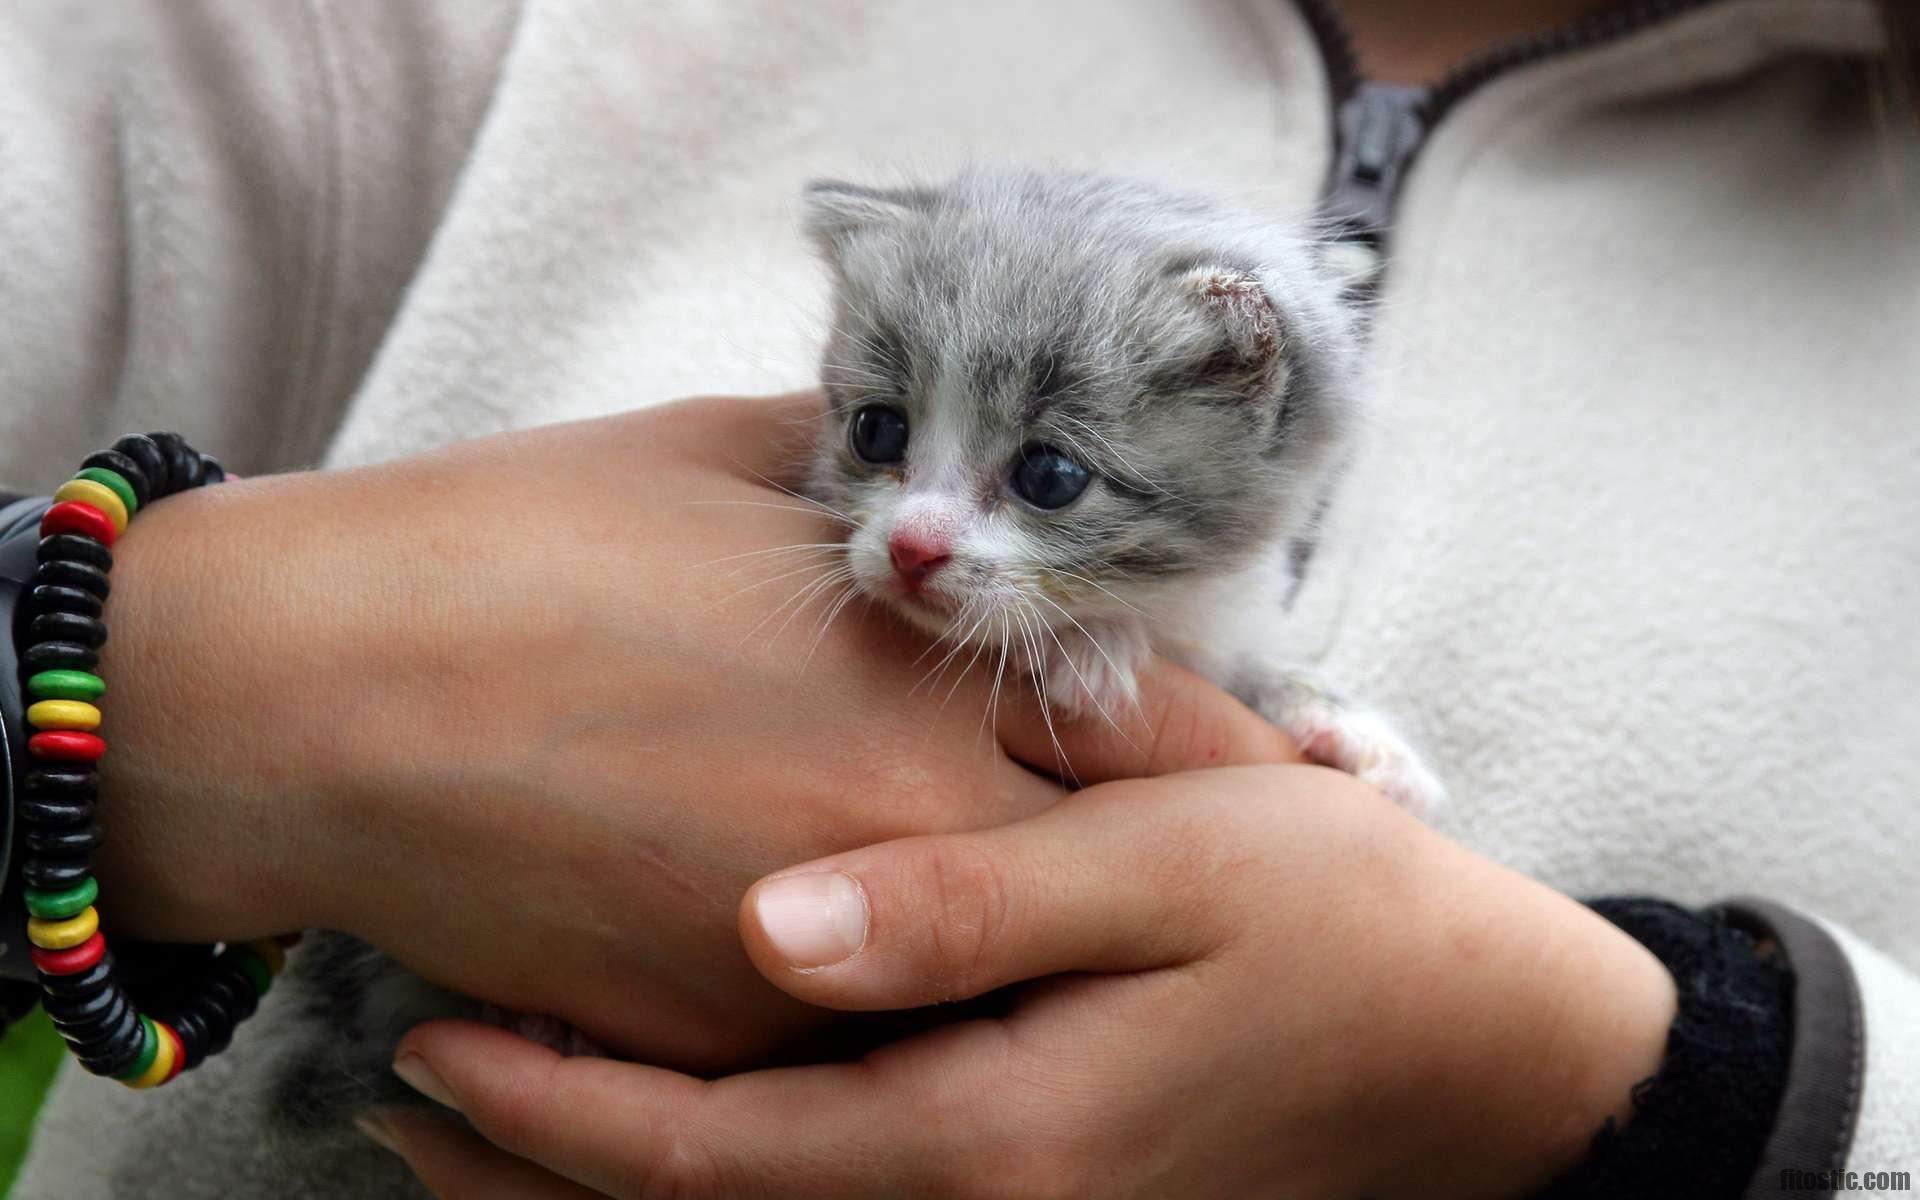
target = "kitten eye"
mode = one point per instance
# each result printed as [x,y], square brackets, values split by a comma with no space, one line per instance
[879,434]
[1048,478]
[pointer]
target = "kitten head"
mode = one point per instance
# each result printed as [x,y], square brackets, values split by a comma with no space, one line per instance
[1055,394]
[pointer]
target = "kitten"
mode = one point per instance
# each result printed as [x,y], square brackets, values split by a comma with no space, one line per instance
[1081,420]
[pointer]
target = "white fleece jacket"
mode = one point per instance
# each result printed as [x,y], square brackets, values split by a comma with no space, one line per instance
[1633,548]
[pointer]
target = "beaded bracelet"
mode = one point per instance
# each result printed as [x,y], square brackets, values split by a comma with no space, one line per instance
[86,994]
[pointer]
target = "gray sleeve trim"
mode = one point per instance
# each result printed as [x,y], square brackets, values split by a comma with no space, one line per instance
[19,535]
[1814,1128]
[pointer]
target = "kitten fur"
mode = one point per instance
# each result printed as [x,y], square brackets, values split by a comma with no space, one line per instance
[1196,359]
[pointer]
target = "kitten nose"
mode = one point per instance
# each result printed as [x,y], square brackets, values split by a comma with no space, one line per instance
[916,556]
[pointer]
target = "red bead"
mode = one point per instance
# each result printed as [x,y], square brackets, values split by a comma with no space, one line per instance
[73,961]
[72,516]
[179,1048]
[66,745]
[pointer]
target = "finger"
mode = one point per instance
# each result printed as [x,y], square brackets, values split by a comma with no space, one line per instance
[1182,723]
[630,1130]
[457,1164]
[1116,878]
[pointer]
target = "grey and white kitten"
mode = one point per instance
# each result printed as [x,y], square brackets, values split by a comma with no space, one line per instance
[1080,420]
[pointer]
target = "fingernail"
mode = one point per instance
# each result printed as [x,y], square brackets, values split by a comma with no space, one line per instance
[377,1130]
[813,920]
[420,1077]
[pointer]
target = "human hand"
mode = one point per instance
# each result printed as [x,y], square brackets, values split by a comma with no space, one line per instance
[513,713]
[1257,981]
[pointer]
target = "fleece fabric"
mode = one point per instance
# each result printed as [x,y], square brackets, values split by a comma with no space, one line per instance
[1632,547]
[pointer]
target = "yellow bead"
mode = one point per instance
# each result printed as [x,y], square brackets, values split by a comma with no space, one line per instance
[102,497]
[63,935]
[270,952]
[63,714]
[161,1067]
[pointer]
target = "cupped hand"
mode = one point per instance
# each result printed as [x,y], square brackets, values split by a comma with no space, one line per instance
[1252,982]
[531,714]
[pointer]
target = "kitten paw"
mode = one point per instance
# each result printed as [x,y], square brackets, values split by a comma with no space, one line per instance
[1364,745]
[1353,740]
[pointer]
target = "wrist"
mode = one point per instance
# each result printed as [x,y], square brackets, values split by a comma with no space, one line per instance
[1550,1016]
[215,798]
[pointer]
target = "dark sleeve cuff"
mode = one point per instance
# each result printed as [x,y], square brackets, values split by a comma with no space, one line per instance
[1814,1127]
[19,538]
[1760,1086]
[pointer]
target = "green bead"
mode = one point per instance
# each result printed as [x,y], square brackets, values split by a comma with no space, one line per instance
[113,481]
[58,906]
[256,969]
[149,1049]
[67,685]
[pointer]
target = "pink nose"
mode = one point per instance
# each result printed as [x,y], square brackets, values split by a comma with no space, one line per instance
[916,556]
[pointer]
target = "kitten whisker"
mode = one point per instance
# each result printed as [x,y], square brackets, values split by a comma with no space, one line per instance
[979,647]
[847,595]
[817,509]
[860,371]
[771,551]
[1096,584]
[815,591]
[1095,643]
[1145,480]
[1038,675]
[803,498]
[735,595]
[802,595]
[991,712]
[959,644]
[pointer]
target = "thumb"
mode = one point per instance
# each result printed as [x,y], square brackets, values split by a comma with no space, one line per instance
[1111,880]
[1182,723]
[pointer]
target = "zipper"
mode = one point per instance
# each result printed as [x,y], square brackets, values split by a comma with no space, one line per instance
[1379,129]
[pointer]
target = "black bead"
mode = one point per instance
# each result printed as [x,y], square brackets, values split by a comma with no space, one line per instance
[226,999]
[234,981]
[69,572]
[180,459]
[95,1038]
[97,1035]
[122,1056]
[76,546]
[51,597]
[211,471]
[65,781]
[143,452]
[54,843]
[118,1049]
[54,874]
[129,470]
[67,627]
[81,983]
[57,656]
[39,813]
[80,1012]
[195,1036]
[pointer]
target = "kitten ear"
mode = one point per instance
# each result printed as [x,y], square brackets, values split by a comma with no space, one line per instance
[834,211]
[1240,307]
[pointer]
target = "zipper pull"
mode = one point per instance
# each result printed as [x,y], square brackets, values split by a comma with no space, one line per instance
[1379,130]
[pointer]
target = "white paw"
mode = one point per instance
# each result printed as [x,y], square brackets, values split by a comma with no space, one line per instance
[1363,744]
[1094,670]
